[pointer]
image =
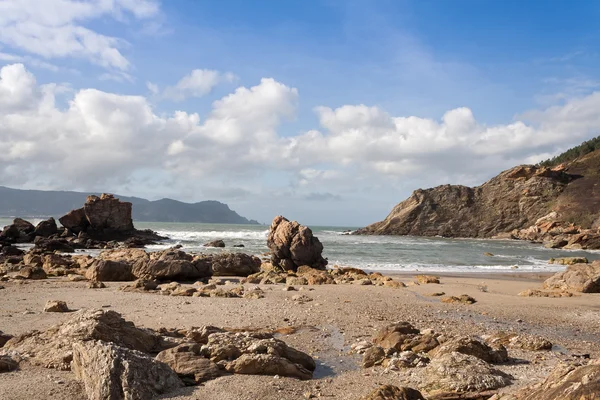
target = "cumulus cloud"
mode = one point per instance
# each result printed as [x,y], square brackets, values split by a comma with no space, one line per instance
[56,28]
[102,138]
[197,83]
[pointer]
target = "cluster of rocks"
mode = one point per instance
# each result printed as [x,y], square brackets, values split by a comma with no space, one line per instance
[115,359]
[102,222]
[463,367]
[555,234]
[577,278]
[305,275]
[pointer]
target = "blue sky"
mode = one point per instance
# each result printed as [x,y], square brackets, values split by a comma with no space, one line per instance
[329,112]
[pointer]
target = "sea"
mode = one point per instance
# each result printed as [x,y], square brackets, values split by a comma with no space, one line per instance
[373,253]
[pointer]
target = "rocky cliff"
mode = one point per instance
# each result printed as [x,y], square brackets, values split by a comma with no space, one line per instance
[516,199]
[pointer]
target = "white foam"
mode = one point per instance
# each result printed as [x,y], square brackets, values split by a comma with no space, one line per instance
[190,236]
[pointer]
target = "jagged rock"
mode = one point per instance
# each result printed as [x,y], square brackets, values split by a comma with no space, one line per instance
[189,364]
[108,213]
[462,299]
[315,276]
[568,260]
[566,382]
[373,356]
[47,245]
[75,221]
[233,264]
[55,264]
[578,277]
[514,199]
[243,353]
[109,271]
[7,363]
[46,228]
[389,392]
[425,279]
[172,264]
[215,243]
[472,347]
[544,293]
[32,273]
[96,285]
[109,371]
[293,245]
[56,306]
[129,256]
[393,336]
[11,251]
[53,348]
[4,337]
[515,341]
[459,372]
[405,359]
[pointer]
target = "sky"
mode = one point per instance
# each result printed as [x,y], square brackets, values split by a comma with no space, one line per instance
[328,112]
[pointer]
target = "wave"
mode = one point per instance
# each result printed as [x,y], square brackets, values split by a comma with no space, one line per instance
[190,236]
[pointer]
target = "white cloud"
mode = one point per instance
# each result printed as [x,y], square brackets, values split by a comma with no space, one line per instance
[55,28]
[197,83]
[103,138]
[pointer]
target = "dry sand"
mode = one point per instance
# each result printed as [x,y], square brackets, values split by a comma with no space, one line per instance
[338,316]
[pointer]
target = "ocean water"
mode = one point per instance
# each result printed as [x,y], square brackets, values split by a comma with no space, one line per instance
[376,253]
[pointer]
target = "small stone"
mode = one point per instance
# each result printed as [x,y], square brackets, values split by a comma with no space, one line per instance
[56,306]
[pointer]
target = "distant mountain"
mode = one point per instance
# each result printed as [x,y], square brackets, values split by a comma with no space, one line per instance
[42,203]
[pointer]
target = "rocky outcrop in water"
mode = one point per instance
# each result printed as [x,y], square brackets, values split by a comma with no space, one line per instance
[293,245]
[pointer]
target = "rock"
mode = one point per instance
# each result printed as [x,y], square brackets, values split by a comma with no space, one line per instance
[234,264]
[108,213]
[189,364]
[109,371]
[46,228]
[567,382]
[4,337]
[245,354]
[373,356]
[389,392]
[75,220]
[53,348]
[470,346]
[301,298]
[293,245]
[544,293]
[488,254]
[568,260]
[459,372]
[394,335]
[47,245]
[215,243]
[425,279]
[96,285]
[7,363]
[32,273]
[25,228]
[128,256]
[521,341]
[238,245]
[109,271]
[583,278]
[405,359]
[173,265]
[315,276]
[462,299]
[11,251]
[56,306]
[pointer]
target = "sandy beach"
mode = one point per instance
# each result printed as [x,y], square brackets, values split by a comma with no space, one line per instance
[325,327]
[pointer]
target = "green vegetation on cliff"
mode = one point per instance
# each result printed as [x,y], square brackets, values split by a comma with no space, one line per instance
[573,153]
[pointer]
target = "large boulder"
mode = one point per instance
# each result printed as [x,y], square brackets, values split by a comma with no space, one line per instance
[566,382]
[109,372]
[234,264]
[389,392]
[19,231]
[48,245]
[473,347]
[75,220]
[243,353]
[109,271]
[293,245]
[108,213]
[457,372]
[577,277]
[46,228]
[189,364]
[53,348]
[171,264]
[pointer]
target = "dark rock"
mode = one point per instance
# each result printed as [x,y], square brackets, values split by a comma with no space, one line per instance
[46,228]
[11,251]
[75,220]
[389,392]
[293,245]
[107,212]
[238,245]
[215,243]
[47,245]
[234,264]
[8,364]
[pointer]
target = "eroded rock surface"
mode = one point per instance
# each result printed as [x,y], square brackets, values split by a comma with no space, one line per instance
[293,245]
[577,277]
